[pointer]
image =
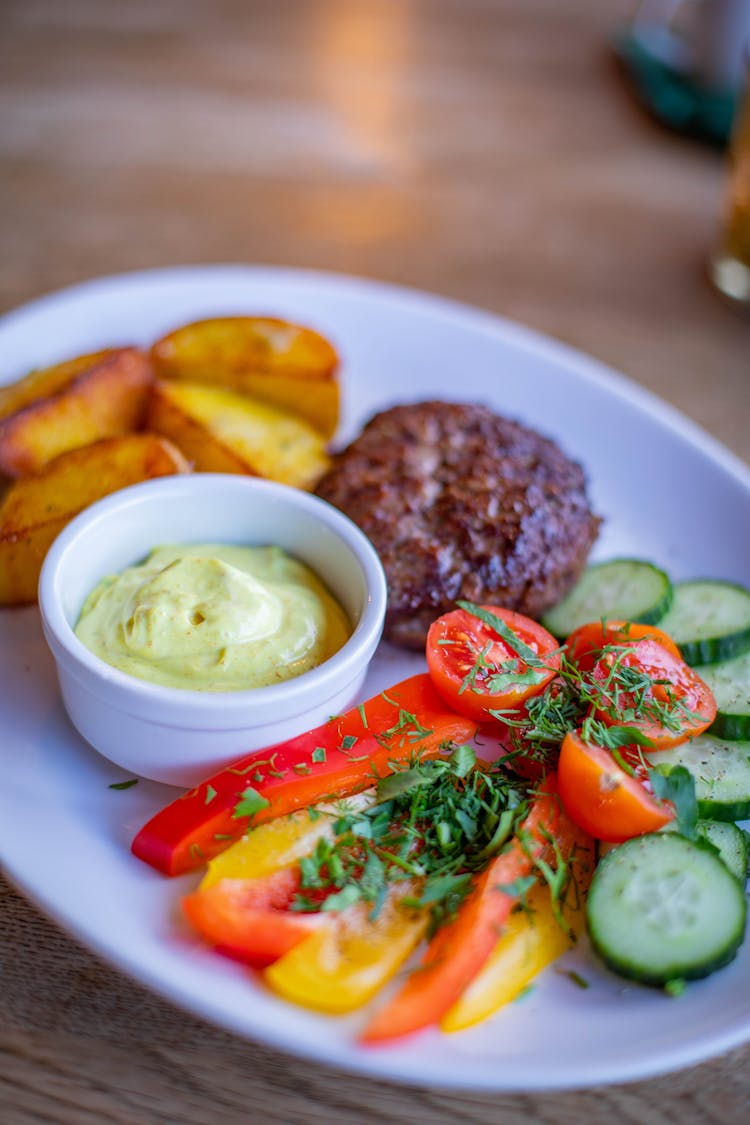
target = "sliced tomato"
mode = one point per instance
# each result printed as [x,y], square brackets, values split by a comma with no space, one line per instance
[478,668]
[670,702]
[584,645]
[601,797]
[249,919]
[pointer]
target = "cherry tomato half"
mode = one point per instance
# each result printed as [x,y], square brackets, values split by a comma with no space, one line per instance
[584,645]
[643,685]
[477,668]
[602,798]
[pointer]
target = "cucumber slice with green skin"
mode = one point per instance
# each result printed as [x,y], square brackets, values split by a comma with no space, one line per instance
[721,770]
[730,842]
[623,589]
[730,684]
[662,908]
[709,620]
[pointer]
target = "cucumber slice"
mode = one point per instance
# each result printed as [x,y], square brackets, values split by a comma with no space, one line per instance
[709,620]
[729,840]
[662,908]
[730,683]
[627,589]
[731,844]
[721,770]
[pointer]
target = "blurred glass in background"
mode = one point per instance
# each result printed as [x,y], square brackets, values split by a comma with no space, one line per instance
[729,267]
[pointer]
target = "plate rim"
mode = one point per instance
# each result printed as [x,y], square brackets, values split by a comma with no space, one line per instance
[536,339]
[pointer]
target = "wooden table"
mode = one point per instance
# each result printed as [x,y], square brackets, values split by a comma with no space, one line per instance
[481,149]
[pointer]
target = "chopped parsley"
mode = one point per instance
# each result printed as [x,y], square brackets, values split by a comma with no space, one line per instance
[433,825]
[250,803]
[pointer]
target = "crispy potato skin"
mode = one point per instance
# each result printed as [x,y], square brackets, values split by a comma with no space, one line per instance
[242,394]
[71,405]
[46,381]
[272,360]
[223,431]
[36,508]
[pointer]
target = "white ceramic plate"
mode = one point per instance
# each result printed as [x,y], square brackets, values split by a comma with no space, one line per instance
[667,492]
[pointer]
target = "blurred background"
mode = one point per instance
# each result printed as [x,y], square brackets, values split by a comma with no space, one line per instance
[490,150]
[562,163]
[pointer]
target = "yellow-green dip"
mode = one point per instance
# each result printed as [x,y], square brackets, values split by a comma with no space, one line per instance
[214,618]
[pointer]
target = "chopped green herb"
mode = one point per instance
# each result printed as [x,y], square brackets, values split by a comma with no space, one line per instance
[432,822]
[575,977]
[124,784]
[210,794]
[524,992]
[343,898]
[319,754]
[678,786]
[463,760]
[250,803]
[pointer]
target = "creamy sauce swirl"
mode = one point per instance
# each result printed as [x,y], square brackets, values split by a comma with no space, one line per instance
[214,618]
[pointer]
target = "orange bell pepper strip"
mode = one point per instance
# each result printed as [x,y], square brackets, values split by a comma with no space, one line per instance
[460,949]
[532,939]
[340,757]
[249,919]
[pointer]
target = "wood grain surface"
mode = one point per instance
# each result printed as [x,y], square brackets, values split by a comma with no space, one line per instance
[483,149]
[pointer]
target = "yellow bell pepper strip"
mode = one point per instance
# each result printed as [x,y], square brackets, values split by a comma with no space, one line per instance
[249,919]
[459,949]
[242,904]
[533,938]
[340,757]
[342,965]
[278,843]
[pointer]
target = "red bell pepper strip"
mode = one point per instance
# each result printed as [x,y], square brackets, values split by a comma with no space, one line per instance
[249,919]
[340,757]
[460,949]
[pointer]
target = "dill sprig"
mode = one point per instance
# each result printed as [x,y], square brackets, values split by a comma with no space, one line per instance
[493,671]
[611,708]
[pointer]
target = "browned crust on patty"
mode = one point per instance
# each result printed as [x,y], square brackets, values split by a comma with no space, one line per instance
[460,502]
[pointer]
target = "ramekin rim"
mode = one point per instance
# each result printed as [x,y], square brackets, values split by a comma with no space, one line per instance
[359,646]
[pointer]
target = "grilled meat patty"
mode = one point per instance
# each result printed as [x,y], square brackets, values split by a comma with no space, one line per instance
[460,502]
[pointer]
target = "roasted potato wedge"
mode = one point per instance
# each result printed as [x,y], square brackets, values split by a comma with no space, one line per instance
[71,404]
[36,508]
[273,360]
[222,431]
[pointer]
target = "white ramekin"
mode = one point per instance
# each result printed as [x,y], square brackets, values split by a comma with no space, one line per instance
[182,736]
